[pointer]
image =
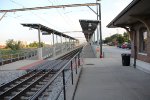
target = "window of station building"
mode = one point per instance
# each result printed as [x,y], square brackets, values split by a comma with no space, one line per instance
[143,40]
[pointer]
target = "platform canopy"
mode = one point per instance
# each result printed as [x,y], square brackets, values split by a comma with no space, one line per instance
[88,27]
[46,30]
[137,9]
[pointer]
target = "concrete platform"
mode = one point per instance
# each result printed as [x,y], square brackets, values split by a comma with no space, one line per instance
[107,79]
[19,65]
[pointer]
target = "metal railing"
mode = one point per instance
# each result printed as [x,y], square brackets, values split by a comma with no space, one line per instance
[5,59]
[76,59]
[47,52]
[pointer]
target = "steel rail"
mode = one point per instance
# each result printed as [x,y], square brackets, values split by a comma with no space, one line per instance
[23,92]
[35,97]
[30,72]
[66,56]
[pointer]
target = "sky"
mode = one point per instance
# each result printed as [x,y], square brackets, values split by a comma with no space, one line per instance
[63,19]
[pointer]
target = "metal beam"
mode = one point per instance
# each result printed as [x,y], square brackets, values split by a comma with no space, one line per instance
[3,16]
[49,7]
[71,31]
[92,10]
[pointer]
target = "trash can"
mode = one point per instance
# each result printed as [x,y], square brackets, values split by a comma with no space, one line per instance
[125,59]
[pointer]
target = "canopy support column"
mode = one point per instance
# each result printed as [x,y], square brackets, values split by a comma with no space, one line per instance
[39,46]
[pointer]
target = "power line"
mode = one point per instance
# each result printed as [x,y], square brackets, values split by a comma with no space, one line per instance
[68,24]
[33,13]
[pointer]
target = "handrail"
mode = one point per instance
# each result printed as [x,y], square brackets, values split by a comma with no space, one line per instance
[34,97]
[8,58]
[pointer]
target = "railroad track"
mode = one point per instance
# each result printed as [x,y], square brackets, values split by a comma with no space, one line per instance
[26,86]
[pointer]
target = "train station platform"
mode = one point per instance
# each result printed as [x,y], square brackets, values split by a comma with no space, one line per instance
[107,79]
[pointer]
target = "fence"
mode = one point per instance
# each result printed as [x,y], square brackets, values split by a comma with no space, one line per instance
[5,59]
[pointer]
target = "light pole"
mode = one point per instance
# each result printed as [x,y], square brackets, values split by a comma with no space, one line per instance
[100,29]
[97,19]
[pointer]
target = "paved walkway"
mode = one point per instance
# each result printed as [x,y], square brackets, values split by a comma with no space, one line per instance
[107,79]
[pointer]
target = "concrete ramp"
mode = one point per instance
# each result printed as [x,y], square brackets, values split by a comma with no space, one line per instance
[88,52]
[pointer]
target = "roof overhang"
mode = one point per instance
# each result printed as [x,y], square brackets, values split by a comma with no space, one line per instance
[46,30]
[88,27]
[128,16]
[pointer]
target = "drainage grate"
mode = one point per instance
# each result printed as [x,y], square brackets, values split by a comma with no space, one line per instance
[89,64]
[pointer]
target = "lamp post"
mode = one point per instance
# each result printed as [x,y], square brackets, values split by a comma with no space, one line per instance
[97,19]
[100,29]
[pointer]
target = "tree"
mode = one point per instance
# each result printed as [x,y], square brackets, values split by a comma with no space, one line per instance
[14,45]
[36,44]
[120,39]
[107,40]
[126,36]
[117,39]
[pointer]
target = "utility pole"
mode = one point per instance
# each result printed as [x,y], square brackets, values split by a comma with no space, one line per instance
[100,31]
[99,40]
[97,28]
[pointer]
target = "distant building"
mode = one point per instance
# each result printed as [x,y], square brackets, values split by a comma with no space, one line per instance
[2,46]
[136,20]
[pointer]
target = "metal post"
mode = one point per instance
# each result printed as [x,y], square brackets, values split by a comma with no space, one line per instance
[64,83]
[73,43]
[53,45]
[3,16]
[71,73]
[76,65]
[97,28]
[135,50]
[56,39]
[1,59]
[88,38]
[103,55]
[94,37]
[61,44]
[53,39]
[78,60]
[100,31]
[66,43]
[69,43]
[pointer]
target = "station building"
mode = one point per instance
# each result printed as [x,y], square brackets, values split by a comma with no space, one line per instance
[135,18]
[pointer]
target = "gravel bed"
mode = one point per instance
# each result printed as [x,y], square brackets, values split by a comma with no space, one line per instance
[56,87]
[8,75]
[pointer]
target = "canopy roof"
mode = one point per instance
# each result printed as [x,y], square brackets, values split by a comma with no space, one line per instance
[88,27]
[137,8]
[46,29]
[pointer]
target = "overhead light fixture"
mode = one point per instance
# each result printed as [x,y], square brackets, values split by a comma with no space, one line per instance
[45,33]
[90,25]
[30,28]
[89,29]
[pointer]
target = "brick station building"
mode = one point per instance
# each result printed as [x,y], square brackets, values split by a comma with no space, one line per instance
[135,18]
